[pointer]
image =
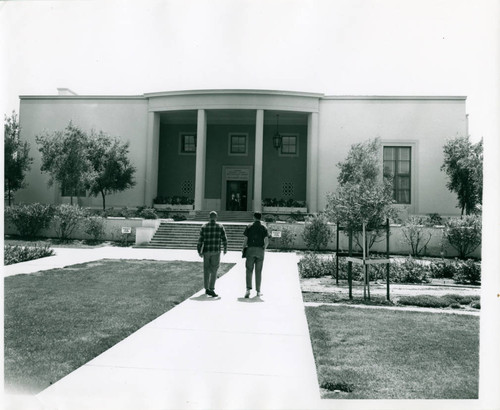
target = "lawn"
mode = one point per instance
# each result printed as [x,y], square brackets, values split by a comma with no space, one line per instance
[386,354]
[57,320]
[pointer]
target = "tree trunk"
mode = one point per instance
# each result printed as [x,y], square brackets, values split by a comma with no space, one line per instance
[9,192]
[103,201]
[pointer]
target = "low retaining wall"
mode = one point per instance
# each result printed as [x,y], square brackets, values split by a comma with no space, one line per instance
[437,246]
[112,230]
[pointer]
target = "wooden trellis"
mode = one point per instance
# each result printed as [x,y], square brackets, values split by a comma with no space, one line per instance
[364,260]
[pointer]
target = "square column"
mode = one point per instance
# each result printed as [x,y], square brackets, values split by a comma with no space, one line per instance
[152,152]
[312,162]
[259,150]
[201,151]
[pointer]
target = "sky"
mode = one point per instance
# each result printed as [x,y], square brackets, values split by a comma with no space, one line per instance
[334,47]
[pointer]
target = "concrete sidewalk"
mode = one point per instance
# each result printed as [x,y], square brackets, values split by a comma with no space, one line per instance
[206,353]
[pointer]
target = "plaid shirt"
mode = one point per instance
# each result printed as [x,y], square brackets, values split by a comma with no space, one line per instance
[211,236]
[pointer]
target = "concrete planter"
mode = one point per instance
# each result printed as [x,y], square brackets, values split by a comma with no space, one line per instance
[171,207]
[151,223]
[282,210]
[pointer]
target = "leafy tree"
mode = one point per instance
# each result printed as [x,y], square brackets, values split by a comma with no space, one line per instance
[317,233]
[463,163]
[364,194]
[16,157]
[65,158]
[112,170]
[464,234]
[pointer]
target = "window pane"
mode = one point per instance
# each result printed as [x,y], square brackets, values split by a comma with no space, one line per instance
[404,167]
[404,154]
[238,144]
[389,153]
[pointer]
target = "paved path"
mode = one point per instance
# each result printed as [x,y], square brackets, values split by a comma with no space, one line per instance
[227,353]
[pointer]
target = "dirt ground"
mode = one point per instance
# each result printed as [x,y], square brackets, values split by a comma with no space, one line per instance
[326,285]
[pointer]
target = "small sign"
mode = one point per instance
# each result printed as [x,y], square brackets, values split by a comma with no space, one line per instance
[276,234]
[126,229]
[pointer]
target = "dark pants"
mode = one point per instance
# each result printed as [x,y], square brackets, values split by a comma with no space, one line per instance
[255,258]
[211,261]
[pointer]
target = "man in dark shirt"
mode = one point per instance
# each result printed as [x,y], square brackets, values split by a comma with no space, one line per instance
[256,242]
[209,246]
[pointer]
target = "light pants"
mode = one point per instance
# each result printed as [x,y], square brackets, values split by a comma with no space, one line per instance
[211,261]
[255,258]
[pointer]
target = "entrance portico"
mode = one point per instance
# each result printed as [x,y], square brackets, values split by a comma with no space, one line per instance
[232,133]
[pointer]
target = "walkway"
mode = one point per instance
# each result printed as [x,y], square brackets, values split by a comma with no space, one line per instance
[226,353]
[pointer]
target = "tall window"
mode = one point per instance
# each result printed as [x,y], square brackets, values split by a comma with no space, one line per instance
[397,162]
[73,192]
[237,144]
[188,143]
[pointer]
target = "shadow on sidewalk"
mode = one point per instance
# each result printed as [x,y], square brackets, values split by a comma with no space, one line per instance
[255,299]
[204,298]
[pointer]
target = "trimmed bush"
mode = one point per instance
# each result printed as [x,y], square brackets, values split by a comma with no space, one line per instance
[442,269]
[17,253]
[468,272]
[269,218]
[408,271]
[424,301]
[179,217]
[148,213]
[287,238]
[317,233]
[313,266]
[30,219]
[94,227]
[415,234]
[66,219]
[464,234]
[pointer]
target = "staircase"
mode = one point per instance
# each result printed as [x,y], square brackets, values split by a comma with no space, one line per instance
[184,235]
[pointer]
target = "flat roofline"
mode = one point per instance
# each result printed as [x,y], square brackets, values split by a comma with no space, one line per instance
[82,97]
[395,97]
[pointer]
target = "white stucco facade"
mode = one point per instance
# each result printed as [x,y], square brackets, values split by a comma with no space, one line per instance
[321,127]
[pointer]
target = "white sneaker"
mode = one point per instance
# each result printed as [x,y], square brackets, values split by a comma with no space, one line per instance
[259,294]
[247,294]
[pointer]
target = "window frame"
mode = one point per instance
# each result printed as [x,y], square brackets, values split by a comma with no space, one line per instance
[182,135]
[230,144]
[286,154]
[413,145]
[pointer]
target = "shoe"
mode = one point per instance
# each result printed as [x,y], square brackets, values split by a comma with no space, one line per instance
[247,294]
[259,294]
[212,293]
[207,292]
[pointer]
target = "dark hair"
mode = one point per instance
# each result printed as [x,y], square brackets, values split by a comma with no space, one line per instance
[257,215]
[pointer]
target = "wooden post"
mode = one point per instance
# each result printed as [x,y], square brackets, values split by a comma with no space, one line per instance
[387,255]
[337,258]
[367,266]
[349,265]
[364,258]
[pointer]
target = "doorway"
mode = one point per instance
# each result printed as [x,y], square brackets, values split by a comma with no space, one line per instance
[236,195]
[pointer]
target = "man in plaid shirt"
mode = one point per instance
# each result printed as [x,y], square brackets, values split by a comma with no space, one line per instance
[209,244]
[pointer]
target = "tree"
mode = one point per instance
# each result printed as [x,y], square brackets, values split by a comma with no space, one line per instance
[65,158]
[16,157]
[111,167]
[463,163]
[364,194]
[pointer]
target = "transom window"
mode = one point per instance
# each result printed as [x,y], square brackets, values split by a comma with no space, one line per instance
[188,143]
[397,162]
[289,145]
[238,144]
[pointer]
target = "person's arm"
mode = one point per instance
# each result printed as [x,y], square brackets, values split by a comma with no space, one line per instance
[224,239]
[199,246]
[266,242]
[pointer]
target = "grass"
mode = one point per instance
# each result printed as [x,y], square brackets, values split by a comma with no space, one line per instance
[394,355]
[55,321]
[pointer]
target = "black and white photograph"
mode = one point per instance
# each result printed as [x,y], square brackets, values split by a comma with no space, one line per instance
[250,204]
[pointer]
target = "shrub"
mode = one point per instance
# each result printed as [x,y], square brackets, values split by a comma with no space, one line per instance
[269,218]
[317,232]
[476,305]
[67,218]
[94,227]
[148,213]
[435,219]
[126,212]
[408,271]
[16,253]
[442,269]
[464,234]
[356,270]
[30,219]
[287,238]
[312,266]
[414,234]
[424,301]
[467,272]
[179,217]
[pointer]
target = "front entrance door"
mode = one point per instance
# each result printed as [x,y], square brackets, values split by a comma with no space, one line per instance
[236,195]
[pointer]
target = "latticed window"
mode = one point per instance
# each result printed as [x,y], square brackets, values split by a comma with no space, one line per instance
[187,187]
[188,143]
[397,162]
[289,145]
[288,190]
[238,144]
